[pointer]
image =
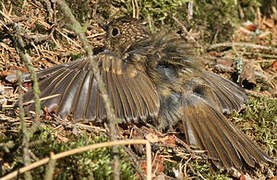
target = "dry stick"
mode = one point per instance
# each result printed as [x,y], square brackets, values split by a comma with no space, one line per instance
[250,45]
[79,30]
[25,141]
[137,9]
[27,62]
[186,31]
[190,9]
[41,99]
[134,9]
[273,57]
[133,157]
[86,148]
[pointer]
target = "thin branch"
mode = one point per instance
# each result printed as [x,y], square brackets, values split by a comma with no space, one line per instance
[190,10]
[186,32]
[134,159]
[25,142]
[50,168]
[248,45]
[41,99]
[79,30]
[27,62]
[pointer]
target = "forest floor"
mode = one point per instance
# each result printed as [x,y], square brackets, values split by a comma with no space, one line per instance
[249,59]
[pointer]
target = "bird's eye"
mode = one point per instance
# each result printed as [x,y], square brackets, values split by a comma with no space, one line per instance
[115,32]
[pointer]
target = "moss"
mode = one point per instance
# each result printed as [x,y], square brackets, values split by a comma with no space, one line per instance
[214,19]
[259,121]
[95,163]
[75,56]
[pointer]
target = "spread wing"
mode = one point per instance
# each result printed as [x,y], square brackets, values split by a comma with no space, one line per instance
[199,108]
[132,94]
[195,100]
[207,128]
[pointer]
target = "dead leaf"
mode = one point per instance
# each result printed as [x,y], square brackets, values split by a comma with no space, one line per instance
[250,26]
[274,66]
[169,141]
[242,177]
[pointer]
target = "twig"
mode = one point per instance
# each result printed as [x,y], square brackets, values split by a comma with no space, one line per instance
[273,57]
[7,146]
[190,9]
[133,157]
[50,168]
[86,148]
[135,7]
[71,125]
[41,99]
[68,39]
[186,31]
[27,133]
[249,45]
[25,142]
[49,10]
[79,30]
[27,62]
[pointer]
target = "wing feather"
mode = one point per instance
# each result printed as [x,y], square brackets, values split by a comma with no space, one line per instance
[132,94]
[207,128]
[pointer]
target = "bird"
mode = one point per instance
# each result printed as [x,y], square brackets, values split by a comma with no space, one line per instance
[153,78]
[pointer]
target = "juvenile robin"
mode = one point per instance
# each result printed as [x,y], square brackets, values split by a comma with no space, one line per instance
[153,78]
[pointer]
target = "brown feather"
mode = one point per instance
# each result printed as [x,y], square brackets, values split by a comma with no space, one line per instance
[208,129]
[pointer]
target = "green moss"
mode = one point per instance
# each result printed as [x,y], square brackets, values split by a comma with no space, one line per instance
[75,56]
[259,121]
[95,163]
[214,19]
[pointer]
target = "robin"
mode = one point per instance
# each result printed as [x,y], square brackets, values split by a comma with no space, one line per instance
[154,78]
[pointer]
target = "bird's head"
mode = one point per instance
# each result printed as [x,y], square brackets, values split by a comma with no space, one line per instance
[123,32]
